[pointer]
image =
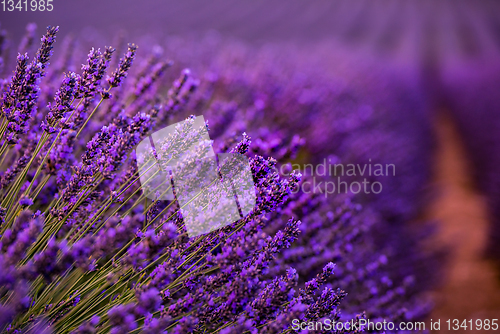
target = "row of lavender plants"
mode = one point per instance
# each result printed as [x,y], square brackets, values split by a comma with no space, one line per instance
[83,249]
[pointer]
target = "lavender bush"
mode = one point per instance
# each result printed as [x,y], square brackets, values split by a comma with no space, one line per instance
[83,249]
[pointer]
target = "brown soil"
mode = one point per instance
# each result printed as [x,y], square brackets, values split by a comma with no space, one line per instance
[471,286]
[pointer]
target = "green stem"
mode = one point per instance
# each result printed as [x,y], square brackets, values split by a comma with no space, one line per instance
[4,153]
[3,126]
[88,118]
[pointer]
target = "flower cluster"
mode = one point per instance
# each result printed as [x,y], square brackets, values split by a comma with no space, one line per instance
[85,249]
[20,99]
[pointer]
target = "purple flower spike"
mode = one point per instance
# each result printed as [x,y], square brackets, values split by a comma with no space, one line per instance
[21,105]
[125,63]
[62,105]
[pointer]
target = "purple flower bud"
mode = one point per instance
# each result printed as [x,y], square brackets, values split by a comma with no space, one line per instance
[125,63]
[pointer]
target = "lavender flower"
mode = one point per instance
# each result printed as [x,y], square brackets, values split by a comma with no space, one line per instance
[21,104]
[93,72]
[62,102]
[10,96]
[125,63]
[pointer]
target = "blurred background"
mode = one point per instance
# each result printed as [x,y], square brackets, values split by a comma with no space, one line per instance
[433,68]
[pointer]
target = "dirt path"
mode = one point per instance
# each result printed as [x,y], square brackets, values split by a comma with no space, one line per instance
[471,287]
